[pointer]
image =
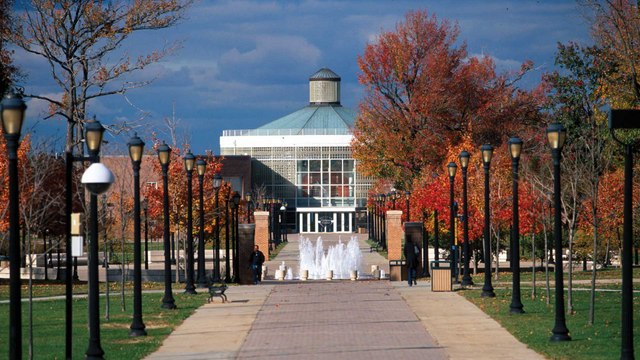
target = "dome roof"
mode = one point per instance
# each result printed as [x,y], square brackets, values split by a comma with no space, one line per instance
[325,74]
[315,117]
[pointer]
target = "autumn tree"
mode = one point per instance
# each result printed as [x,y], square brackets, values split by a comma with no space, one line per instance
[81,41]
[8,71]
[423,93]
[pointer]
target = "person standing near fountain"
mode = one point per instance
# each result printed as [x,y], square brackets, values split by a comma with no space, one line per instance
[256,260]
[411,255]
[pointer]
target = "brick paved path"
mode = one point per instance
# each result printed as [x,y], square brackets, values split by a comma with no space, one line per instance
[338,320]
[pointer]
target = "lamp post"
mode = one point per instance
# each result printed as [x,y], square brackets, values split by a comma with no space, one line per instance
[189,163]
[201,166]
[464,164]
[217,182]
[97,179]
[145,209]
[136,148]
[248,199]
[383,225]
[451,168]
[13,108]
[229,233]
[93,134]
[235,200]
[283,209]
[556,134]
[164,156]
[515,147]
[407,198]
[392,196]
[487,288]
[626,119]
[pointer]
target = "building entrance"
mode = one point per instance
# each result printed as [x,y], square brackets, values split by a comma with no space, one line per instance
[320,220]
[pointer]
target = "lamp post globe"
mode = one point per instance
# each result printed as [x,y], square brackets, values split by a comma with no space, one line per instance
[164,156]
[13,110]
[189,164]
[464,165]
[556,134]
[487,288]
[201,166]
[97,179]
[136,149]
[516,307]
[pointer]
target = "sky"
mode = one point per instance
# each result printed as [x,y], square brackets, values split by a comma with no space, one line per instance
[243,64]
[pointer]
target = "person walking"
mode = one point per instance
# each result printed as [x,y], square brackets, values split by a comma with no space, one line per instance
[256,260]
[411,255]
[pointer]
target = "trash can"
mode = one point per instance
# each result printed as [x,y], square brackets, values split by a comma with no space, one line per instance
[397,270]
[441,276]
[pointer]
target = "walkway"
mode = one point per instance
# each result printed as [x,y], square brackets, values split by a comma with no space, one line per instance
[340,320]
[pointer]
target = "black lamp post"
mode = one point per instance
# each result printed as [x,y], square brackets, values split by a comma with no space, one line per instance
[556,134]
[201,166]
[235,200]
[626,119]
[487,288]
[464,164]
[229,233]
[136,148]
[407,198]
[515,147]
[96,186]
[189,163]
[247,197]
[13,108]
[217,182]
[164,155]
[392,196]
[145,209]
[451,168]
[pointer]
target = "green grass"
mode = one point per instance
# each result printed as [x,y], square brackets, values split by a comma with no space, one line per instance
[49,325]
[525,275]
[273,253]
[382,252]
[598,341]
[43,288]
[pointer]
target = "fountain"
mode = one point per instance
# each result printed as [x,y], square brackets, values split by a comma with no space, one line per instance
[341,259]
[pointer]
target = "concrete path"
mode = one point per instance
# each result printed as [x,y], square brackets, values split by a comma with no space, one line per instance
[340,320]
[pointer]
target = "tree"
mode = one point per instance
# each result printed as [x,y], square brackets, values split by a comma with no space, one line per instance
[80,40]
[424,94]
[8,71]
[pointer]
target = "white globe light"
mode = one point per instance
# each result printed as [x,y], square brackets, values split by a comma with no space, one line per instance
[97,178]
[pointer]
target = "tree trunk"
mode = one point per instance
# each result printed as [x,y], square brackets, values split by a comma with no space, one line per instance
[546,263]
[592,298]
[497,254]
[533,266]
[570,275]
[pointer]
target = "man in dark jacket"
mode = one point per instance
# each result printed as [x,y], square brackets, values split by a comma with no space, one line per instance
[412,256]
[256,260]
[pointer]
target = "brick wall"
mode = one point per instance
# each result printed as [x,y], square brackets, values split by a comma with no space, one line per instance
[394,234]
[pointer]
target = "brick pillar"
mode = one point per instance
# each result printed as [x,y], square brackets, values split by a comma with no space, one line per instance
[394,234]
[262,231]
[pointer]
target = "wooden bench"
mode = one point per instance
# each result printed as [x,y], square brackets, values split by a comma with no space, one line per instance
[217,291]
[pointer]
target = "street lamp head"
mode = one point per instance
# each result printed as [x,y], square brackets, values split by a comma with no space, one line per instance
[515,147]
[13,109]
[201,165]
[283,208]
[407,195]
[556,134]
[247,197]
[97,178]
[164,154]
[392,194]
[93,135]
[452,167]
[189,161]
[464,159]
[235,198]
[217,181]
[136,148]
[487,153]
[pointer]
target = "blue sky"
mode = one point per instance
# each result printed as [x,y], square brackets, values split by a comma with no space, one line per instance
[246,63]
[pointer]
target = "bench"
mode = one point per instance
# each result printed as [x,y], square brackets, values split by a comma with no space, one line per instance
[217,290]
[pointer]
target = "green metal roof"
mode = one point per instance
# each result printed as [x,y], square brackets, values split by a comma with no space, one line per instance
[324,74]
[315,117]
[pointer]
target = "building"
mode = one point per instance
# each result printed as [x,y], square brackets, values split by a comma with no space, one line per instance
[305,160]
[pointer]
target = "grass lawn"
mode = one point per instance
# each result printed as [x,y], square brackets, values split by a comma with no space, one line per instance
[49,326]
[598,341]
[525,276]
